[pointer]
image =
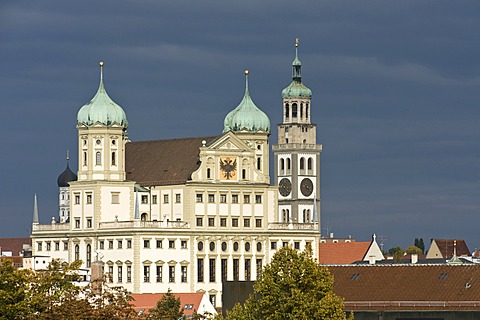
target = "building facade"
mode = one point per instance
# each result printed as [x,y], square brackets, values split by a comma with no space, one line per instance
[180,214]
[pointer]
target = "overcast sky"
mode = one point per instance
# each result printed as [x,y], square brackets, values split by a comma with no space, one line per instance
[395,97]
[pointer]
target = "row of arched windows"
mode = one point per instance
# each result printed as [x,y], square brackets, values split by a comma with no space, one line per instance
[309,167]
[88,256]
[295,111]
[285,215]
[306,166]
[98,158]
[306,215]
[285,166]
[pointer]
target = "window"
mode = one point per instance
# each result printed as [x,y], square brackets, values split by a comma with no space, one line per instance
[184,273]
[258,198]
[223,222]
[65,246]
[49,246]
[244,174]
[294,110]
[178,198]
[234,198]
[234,222]
[247,246]
[211,198]
[246,222]
[129,273]
[258,223]
[285,244]
[110,244]
[224,246]
[89,255]
[248,270]
[89,222]
[84,158]
[302,165]
[199,197]
[211,266]
[199,270]
[115,197]
[246,198]
[171,244]
[259,163]
[102,245]
[146,243]
[211,222]
[200,246]
[224,270]
[57,246]
[77,252]
[119,274]
[212,246]
[98,158]
[77,199]
[273,245]
[208,173]
[154,199]
[183,244]
[146,273]
[165,198]
[259,246]
[110,274]
[213,299]
[287,110]
[171,273]
[77,223]
[159,275]
[296,245]
[235,269]
[309,165]
[114,157]
[129,244]
[120,244]
[144,199]
[89,198]
[199,222]
[235,246]
[223,198]
[159,244]
[259,269]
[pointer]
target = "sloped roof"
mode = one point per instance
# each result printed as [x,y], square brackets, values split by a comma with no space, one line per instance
[189,302]
[395,287]
[342,252]
[162,162]
[446,247]
[14,244]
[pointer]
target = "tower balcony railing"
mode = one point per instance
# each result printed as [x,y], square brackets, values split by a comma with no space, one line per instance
[298,146]
[139,224]
[51,227]
[292,226]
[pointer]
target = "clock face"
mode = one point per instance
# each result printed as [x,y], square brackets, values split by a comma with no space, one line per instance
[306,187]
[285,187]
[228,168]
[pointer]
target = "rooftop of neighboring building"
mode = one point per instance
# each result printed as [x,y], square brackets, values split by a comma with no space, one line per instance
[189,302]
[445,247]
[15,245]
[342,252]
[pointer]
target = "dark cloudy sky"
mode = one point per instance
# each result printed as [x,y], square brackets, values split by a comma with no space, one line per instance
[395,84]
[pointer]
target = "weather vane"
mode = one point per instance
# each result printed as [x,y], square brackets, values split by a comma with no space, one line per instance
[296,42]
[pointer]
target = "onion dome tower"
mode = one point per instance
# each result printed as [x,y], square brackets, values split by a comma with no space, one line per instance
[64,192]
[102,134]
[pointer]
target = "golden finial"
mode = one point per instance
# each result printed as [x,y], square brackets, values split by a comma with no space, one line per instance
[101,63]
[296,42]
[246,72]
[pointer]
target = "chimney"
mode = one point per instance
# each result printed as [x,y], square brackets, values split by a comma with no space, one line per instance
[414,258]
[371,259]
[97,275]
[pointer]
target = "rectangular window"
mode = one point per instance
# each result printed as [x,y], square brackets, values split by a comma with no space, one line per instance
[39,246]
[223,198]
[120,244]
[144,199]
[119,274]
[296,245]
[184,273]
[284,244]
[110,274]
[77,199]
[65,246]
[146,243]
[110,244]
[183,244]
[154,199]
[159,244]
[211,222]
[235,269]
[146,273]
[171,273]
[258,223]
[248,270]
[129,244]
[89,222]
[89,198]
[223,222]
[258,198]
[211,265]
[102,245]
[224,270]
[49,246]
[199,270]
[115,197]
[129,273]
[159,274]
[57,246]
[273,245]
[165,198]
[199,197]
[199,222]
[246,198]
[77,223]
[171,244]
[211,198]
[246,222]
[234,222]
[234,198]
[259,269]
[213,299]
[178,198]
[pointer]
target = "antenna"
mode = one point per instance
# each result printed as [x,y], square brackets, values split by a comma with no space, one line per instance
[382,241]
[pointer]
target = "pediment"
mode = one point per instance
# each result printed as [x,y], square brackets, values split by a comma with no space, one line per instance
[229,141]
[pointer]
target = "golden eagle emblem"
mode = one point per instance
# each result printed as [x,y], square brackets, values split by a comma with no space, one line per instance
[228,166]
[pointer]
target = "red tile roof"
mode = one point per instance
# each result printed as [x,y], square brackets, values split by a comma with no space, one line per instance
[395,287]
[342,252]
[189,302]
[161,162]
[14,244]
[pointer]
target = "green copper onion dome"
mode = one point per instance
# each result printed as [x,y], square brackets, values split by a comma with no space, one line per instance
[102,109]
[296,89]
[246,116]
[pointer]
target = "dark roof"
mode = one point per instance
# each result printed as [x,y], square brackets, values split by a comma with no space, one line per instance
[395,287]
[65,177]
[446,247]
[14,244]
[163,162]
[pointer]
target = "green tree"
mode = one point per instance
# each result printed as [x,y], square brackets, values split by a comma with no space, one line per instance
[413,250]
[397,253]
[167,308]
[13,291]
[419,244]
[292,286]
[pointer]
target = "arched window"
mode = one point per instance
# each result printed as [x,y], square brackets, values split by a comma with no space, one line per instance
[77,252]
[282,166]
[287,111]
[288,166]
[244,174]
[143,217]
[294,110]
[302,165]
[310,166]
[208,173]
[306,111]
[284,215]
[301,110]
[84,158]
[98,158]
[89,255]
[259,163]
[114,160]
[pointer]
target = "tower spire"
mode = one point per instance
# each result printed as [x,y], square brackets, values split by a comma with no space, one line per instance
[35,209]
[68,155]
[296,65]
[246,83]
[101,63]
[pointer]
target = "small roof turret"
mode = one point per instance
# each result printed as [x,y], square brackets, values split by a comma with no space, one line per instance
[246,116]
[102,109]
[66,176]
[296,89]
